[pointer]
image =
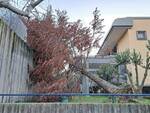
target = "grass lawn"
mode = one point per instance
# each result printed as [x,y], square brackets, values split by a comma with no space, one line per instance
[145,101]
[142,100]
[104,99]
[90,99]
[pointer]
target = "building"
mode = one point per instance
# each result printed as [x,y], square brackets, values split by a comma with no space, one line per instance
[92,66]
[15,56]
[93,63]
[128,33]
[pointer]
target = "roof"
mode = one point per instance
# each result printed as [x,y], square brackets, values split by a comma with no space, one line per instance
[127,21]
[14,22]
[119,27]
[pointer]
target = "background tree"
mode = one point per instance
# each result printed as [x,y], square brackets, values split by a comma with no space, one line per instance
[123,58]
[135,59]
[107,72]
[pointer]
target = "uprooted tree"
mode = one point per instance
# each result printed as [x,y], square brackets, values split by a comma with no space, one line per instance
[59,46]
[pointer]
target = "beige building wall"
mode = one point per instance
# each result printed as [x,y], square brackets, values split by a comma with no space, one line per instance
[129,40]
[123,43]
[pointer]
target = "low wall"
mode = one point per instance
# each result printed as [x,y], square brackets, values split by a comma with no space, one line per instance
[73,108]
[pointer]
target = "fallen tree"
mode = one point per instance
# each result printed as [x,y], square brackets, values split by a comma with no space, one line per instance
[58,43]
[111,88]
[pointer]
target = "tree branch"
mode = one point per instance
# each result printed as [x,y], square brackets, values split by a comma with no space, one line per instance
[13,9]
[34,4]
[145,73]
[137,75]
[30,7]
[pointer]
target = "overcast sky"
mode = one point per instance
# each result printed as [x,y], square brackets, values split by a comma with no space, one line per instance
[110,9]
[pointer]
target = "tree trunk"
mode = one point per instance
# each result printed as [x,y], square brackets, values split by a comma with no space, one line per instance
[143,81]
[145,73]
[131,82]
[129,75]
[137,76]
[99,81]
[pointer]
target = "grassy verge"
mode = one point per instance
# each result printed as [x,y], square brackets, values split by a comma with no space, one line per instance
[90,99]
[141,100]
[104,99]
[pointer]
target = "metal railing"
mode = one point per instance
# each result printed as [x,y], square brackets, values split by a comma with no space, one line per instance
[73,94]
[66,95]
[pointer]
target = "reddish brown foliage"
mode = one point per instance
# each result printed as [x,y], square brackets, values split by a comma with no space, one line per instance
[56,43]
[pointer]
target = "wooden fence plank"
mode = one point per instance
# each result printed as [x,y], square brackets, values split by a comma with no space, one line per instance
[15,57]
[73,108]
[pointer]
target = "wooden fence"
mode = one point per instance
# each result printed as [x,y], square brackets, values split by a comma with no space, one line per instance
[73,108]
[15,59]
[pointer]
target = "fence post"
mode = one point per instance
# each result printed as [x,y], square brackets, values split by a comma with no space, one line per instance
[113,99]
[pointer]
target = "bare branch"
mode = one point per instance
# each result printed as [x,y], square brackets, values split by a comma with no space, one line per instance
[13,9]
[30,7]
[34,4]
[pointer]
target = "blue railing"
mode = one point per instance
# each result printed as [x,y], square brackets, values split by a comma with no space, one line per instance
[72,94]
[65,95]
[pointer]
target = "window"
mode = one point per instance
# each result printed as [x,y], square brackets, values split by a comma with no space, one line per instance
[141,35]
[146,89]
